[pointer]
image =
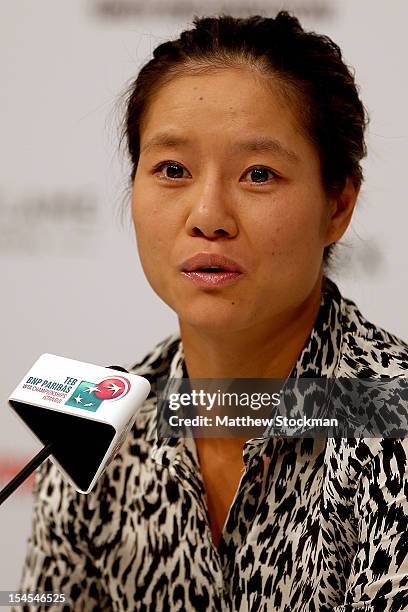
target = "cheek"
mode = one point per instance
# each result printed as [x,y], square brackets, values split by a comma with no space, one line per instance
[293,232]
[156,228]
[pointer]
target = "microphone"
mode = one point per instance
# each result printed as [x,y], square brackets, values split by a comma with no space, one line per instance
[80,412]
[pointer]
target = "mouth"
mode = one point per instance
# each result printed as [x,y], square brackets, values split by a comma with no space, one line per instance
[211,270]
[210,278]
[211,263]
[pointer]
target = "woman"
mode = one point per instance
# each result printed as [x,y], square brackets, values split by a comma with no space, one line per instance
[246,137]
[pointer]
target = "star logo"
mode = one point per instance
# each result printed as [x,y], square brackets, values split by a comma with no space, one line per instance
[91,389]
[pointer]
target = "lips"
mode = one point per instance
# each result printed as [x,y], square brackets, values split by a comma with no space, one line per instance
[203,261]
[211,270]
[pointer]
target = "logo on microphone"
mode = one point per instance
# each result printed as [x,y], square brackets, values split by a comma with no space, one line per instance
[89,395]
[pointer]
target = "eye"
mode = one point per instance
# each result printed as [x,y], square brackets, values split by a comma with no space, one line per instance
[261,174]
[171,170]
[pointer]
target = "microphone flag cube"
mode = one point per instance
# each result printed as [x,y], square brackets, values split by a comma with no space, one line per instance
[84,410]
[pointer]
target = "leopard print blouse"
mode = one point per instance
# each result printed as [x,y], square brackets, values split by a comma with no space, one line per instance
[315,524]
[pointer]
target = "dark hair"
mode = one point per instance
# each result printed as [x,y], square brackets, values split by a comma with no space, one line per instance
[307,67]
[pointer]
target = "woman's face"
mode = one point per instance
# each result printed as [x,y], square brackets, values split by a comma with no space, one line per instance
[225,169]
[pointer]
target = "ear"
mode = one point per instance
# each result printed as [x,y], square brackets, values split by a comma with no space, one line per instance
[341,211]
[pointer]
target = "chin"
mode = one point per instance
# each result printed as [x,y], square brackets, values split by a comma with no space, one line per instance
[213,319]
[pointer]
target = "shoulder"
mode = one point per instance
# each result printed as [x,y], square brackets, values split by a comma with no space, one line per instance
[155,365]
[157,361]
[368,350]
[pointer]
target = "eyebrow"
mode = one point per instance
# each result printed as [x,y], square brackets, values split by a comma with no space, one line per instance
[260,143]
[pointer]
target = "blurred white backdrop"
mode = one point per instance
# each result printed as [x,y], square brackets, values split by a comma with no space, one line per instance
[71,279]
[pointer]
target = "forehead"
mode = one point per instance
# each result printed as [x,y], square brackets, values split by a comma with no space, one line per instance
[220,105]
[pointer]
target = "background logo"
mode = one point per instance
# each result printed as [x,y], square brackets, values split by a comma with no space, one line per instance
[89,395]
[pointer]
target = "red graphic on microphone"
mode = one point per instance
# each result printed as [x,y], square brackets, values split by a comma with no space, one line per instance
[114,387]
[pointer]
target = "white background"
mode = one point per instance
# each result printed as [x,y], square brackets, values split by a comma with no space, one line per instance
[73,285]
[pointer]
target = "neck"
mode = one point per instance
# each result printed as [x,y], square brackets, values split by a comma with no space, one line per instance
[267,350]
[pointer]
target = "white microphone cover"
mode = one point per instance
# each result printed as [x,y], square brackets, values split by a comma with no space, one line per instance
[84,410]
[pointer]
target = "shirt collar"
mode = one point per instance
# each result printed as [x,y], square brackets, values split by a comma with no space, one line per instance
[321,354]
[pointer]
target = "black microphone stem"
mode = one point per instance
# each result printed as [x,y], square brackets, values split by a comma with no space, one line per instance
[25,472]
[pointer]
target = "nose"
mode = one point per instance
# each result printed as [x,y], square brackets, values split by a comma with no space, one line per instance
[211,213]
